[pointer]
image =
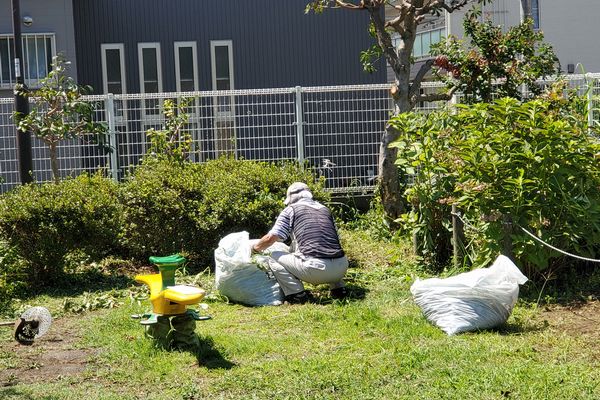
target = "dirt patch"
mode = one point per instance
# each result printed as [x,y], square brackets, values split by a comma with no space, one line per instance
[576,320]
[51,357]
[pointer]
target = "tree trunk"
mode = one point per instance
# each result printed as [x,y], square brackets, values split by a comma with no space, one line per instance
[389,182]
[54,162]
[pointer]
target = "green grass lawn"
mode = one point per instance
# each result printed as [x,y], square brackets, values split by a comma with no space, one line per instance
[375,346]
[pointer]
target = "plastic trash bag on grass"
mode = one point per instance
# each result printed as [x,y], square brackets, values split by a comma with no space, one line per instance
[238,275]
[479,299]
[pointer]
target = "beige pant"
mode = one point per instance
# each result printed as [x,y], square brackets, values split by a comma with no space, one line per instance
[291,269]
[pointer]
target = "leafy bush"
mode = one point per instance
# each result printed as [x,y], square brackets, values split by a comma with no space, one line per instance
[12,276]
[531,163]
[44,223]
[184,207]
[491,62]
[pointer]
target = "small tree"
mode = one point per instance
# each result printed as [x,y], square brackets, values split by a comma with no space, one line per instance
[494,63]
[405,93]
[173,141]
[60,113]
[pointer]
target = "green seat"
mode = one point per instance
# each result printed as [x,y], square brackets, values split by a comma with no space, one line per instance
[174,260]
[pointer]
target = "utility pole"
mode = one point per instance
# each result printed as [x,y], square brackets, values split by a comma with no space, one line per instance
[21,102]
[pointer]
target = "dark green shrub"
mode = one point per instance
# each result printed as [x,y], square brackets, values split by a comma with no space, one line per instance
[533,163]
[13,276]
[184,207]
[44,223]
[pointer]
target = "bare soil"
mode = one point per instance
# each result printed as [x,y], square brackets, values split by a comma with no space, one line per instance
[51,357]
[577,320]
[55,355]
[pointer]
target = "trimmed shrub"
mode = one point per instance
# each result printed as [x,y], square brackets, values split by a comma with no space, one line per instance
[13,276]
[43,223]
[183,207]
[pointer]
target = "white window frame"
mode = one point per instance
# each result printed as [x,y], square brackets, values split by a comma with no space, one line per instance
[177,46]
[31,83]
[193,110]
[120,106]
[229,44]
[121,48]
[150,45]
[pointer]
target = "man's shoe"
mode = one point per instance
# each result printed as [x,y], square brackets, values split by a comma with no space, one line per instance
[339,293]
[298,298]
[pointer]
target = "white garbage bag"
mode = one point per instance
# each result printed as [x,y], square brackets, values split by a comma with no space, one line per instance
[479,299]
[239,278]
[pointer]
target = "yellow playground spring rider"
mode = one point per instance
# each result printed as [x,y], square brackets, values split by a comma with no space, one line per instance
[171,323]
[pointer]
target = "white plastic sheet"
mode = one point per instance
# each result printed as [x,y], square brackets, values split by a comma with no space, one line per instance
[479,299]
[241,280]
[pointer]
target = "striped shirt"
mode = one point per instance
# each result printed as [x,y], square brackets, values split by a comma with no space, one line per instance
[310,224]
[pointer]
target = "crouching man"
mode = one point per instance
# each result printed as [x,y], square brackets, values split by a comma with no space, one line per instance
[316,254]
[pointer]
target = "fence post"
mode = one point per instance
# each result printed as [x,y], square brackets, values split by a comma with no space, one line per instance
[299,126]
[112,135]
[458,238]
[590,102]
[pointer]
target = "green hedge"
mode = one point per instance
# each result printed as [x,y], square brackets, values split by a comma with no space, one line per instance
[162,208]
[173,207]
[41,224]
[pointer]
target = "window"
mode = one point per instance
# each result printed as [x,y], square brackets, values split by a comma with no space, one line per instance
[113,74]
[222,79]
[150,69]
[38,50]
[186,80]
[424,40]
[113,68]
[186,67]
[222,73]
[150,75]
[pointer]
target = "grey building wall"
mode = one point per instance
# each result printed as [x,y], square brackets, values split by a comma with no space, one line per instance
[275,44]
[573,30]
[49,16]
[506,13]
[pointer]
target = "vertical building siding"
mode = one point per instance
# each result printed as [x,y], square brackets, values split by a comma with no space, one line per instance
[274,43]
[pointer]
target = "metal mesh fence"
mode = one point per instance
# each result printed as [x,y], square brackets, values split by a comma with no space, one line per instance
[335,130]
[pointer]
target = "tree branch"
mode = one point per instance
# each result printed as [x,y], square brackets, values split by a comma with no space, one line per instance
[361,5]
[416,83]
[432,96]
[402,12]
[384,39]
[401,7]
[437,4]
[349,6]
